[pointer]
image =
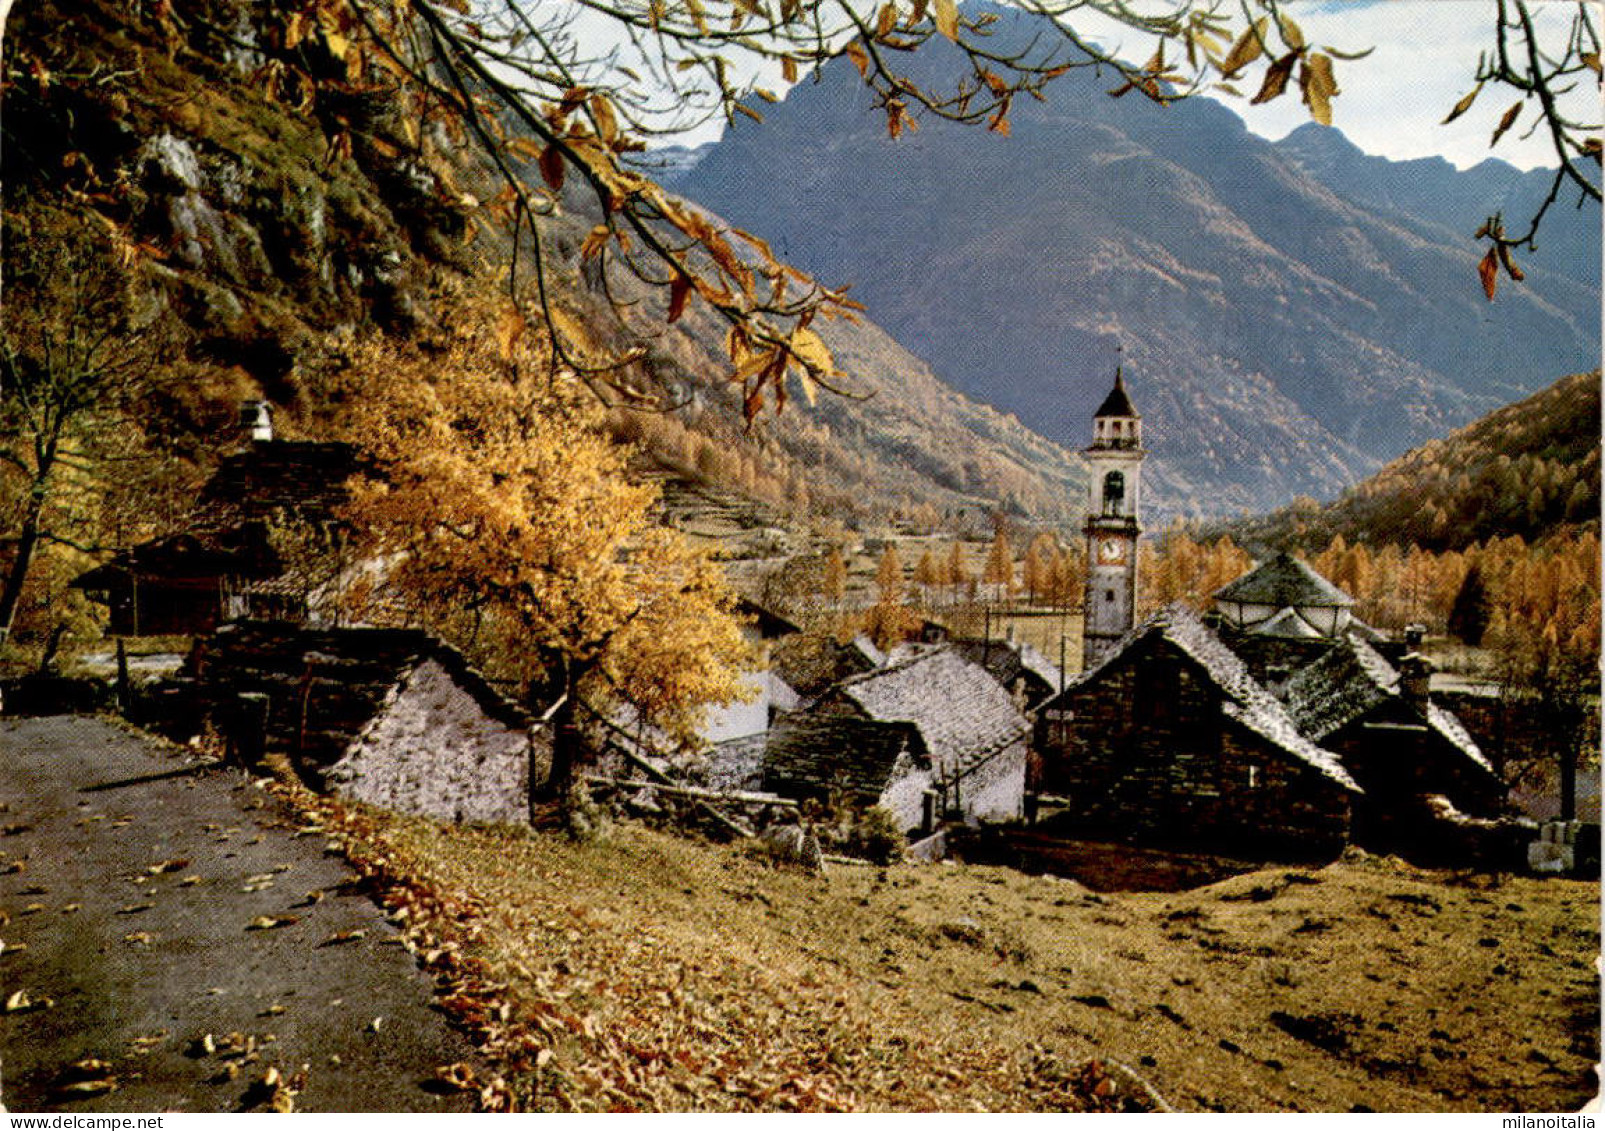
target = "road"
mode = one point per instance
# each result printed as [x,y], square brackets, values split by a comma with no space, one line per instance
[137,889]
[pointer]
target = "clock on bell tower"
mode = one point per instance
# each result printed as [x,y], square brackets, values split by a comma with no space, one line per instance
[1115,459]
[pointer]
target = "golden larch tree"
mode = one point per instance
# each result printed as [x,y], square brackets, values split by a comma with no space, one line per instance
[494,502]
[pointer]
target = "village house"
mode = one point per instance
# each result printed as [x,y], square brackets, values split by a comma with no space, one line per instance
[945,726]
[391,717]
[1401,747]
[1169,740]
[258,542]
[1282,615]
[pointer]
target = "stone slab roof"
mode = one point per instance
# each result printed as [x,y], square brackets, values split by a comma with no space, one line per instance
[809,663]
[810,751]
[302,478]
[1245,700]
[1284,581]
[1008,660]
[324,685]
[964,716]
[1351,681]
[1287,624]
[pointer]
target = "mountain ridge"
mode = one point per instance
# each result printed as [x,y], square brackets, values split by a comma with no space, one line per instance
[1283,339]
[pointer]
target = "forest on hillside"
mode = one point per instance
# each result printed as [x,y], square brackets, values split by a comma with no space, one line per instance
[1527,470]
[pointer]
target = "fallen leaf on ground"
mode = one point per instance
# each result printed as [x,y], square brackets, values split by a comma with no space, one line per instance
[135,908]
[142,1045]
[344,937]
[87,1069]
[20,1002]
[174,865]
[268,922]
[140,938]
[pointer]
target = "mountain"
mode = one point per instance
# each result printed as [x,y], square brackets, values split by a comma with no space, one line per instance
[273,228]
[1529,469]
[1289,315]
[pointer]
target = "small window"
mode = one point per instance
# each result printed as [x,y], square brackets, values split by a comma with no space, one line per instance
[1253,777]
[1109,596]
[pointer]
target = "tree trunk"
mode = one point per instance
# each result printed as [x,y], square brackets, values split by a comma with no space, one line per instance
[27,544]
[568,741]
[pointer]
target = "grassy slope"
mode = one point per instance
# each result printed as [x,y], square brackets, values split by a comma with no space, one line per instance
[665,974]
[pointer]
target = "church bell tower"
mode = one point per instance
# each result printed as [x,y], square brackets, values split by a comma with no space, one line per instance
[1115,459]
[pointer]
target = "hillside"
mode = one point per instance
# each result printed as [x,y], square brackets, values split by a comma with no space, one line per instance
[1291,315]
[273,229]
[1530,469]
[649,972]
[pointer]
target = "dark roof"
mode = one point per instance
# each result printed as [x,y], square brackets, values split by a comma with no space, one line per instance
[325,685]
[1284,582]
[274,476]
[242,552]
[810,751]
[1117,403]
[963,715]
[770,624]
[1244,699]
[809,663]
[1350,682]
[1008,660]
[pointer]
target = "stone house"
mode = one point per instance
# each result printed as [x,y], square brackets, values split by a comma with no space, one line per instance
[392,717]
[225,563]
[1169,739]
[971,743]
[1397,743]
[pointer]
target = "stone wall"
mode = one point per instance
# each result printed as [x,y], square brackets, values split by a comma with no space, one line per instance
[995,789]
[904,795]
[1146,755]
[433,750]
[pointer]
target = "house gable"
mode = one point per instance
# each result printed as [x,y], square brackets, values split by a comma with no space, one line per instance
[433,749]
[1169,739]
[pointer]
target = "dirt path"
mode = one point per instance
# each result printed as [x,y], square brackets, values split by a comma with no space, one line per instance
[188,935]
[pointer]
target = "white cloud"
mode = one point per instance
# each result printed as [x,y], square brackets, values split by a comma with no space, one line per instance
[1424,59]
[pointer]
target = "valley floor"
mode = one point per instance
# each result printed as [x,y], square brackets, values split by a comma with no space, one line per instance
[651,972]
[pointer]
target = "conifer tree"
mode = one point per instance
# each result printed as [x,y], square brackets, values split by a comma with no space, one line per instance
[1468,619]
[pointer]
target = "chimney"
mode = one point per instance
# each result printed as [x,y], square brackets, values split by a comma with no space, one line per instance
[1415,679]
[256,420]
[1414,634]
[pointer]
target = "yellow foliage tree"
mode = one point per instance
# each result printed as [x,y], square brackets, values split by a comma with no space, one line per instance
[495,502]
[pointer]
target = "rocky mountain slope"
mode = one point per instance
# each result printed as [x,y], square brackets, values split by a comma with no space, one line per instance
[1291,315]
[271,227]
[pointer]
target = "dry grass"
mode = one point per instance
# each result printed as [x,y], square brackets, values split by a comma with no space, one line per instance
[650,972]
